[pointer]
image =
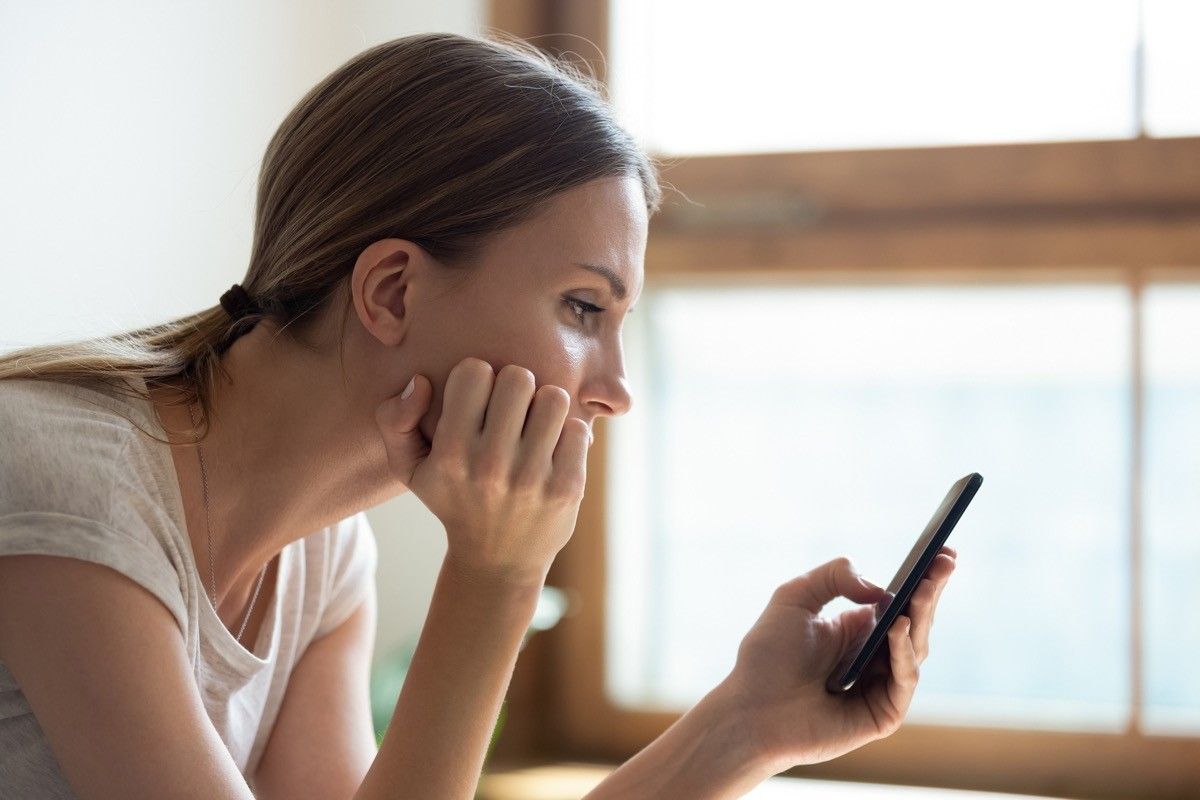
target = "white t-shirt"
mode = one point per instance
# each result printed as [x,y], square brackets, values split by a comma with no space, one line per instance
[78,480]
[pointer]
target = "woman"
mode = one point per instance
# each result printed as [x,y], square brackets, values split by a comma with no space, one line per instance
[449,232]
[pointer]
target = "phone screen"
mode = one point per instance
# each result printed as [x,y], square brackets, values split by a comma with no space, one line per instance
[859,654]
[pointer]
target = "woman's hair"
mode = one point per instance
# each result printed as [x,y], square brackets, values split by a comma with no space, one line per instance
[437,138]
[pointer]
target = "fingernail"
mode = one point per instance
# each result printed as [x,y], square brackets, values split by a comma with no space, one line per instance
[867,583]
[412,384]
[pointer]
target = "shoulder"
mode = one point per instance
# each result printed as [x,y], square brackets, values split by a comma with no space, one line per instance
[36,405]
[34,413]
[349,557]
[75,465]
[61,446]
[78,480]
[349,547]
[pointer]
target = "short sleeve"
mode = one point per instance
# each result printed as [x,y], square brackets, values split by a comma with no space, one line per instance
[57,534]
[353,556]
[74,482]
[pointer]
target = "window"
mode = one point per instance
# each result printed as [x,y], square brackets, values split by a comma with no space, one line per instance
[776,428]
[1172,509]
[809,314]
[872,73]
[1172,64]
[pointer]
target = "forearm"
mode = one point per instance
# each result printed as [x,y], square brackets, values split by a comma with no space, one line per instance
[436,741]
[705,755]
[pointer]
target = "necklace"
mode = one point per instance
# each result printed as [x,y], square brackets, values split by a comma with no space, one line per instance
[212,575]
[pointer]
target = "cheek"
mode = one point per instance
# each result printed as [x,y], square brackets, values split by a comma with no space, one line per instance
[574,352]
[552,351]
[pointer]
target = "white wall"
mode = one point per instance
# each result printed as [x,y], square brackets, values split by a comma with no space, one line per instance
[130,138]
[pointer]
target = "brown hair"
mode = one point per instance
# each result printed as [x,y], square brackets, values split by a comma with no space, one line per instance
[437,138]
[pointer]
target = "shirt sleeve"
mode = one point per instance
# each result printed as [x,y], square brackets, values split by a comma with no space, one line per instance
[58,534]
[353,558]
[73,484]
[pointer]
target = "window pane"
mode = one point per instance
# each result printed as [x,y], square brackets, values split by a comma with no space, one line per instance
[1172,67]
[872,73]
[1172,509]
[774,429]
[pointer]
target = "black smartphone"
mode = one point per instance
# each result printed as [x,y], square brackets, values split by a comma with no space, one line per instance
[859,654]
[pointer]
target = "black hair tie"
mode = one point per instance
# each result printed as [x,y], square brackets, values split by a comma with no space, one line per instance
[237,302]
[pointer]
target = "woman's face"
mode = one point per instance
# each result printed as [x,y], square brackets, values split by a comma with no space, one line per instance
[526,302]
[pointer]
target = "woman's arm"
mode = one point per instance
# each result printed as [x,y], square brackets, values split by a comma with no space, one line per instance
[435,744]
[706,754]
[772,711]
[505,473]
[323,740]
[103,666]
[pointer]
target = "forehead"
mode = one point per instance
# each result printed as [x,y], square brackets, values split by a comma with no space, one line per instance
[600,222]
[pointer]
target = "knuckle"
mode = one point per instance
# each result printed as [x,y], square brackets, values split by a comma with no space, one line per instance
[569,486]
[554,396]
[448,464]
[517,374]
[466,373]
[474,366]
[565,490]
[491,484]
[575,488]
[780,593]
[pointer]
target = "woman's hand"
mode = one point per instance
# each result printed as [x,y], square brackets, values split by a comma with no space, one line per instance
[777,686]
[506,488]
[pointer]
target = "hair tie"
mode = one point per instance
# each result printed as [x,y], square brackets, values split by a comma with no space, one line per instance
[237,302]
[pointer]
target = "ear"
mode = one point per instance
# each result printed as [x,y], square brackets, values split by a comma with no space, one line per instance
[379,286]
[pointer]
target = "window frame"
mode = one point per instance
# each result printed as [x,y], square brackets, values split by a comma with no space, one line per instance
[1125,211]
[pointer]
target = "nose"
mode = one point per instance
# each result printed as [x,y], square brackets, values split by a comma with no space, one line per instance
[608,398]
[605,391]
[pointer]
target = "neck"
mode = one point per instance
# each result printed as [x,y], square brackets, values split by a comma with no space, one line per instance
[288,452]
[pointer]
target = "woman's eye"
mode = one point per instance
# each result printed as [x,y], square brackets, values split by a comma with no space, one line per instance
[582,309]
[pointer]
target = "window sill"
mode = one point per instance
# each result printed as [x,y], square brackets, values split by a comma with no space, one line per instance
[571,781]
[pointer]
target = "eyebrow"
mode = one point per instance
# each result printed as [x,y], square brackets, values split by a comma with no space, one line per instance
[617,285]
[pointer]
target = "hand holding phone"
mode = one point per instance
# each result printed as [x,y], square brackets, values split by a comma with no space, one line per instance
[899,591]
[780,682]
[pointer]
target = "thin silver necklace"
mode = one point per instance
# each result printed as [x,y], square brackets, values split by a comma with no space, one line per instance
[212,575]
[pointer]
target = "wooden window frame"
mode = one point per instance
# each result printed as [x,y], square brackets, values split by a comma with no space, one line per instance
[1124,212]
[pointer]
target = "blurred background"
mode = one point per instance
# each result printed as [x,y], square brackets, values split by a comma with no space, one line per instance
[901,242]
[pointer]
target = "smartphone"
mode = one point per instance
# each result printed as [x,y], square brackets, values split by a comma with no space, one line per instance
[859,654]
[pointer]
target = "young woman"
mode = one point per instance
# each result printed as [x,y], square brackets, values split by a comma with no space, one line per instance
[449,233]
